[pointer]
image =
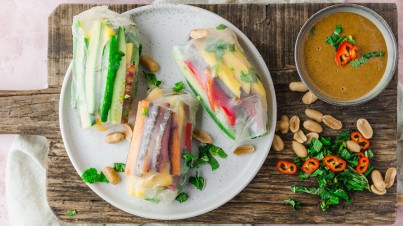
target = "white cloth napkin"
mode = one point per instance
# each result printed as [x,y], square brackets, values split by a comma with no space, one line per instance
[26,163]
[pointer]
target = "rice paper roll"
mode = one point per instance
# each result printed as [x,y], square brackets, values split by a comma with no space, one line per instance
[225,82]
[106,53]
[155,169]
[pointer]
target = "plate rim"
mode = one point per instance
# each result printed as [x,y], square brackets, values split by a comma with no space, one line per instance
[269,136]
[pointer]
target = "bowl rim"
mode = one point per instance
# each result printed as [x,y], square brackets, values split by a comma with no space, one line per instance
[370,95]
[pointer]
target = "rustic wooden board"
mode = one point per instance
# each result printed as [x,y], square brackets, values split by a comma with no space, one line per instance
[273,29]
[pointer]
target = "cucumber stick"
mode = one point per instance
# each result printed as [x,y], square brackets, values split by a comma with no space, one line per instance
[87,119]
[119,86]
[93,66]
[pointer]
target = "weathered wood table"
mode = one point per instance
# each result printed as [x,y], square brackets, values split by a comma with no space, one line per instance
[273,29]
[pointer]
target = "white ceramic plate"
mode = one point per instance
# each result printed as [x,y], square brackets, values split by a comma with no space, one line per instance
[161,27]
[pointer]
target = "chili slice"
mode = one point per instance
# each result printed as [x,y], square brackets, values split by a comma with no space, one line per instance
[286,167]
[334,163]
[361,140]
[345,53]
[363,164]
[310,165]
[360,154]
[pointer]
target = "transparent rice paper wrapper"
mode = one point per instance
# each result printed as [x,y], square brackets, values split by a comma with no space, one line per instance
[99,35]
[225,82]
[155,169]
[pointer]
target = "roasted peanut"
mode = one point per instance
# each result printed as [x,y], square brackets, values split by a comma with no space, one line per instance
[309,98]
[312,126]
[149,63]
[294,123]
[299,149]
[332,122]
[198,33]
[114,138]
[314,114]
[378,180]
[298,87]
[282,126]
[202,136]
[390,177]
[377,191]
[243,150]
[128,132]
[111,175]
[365,128]
[278,144]
[286,127]
[300,136]
[353,146]
[400,200]
[309,137]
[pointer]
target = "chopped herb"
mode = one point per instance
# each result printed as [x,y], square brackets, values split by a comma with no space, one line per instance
[144,111]
[91,176]
[140,49]
[119,167]
[296,205]
[71,213]
[126,96]
[206,153]
[152,79]
[221,27]
[154,200]
[350,39]
[188,156]
[198,181]
[369,154]
[364,58]
[251,76]
[335,39]
[182,197]
[178,87]
[231,47]
[218,151]
[313,31]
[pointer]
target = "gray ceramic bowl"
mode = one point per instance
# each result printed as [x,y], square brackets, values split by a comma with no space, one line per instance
[379,22]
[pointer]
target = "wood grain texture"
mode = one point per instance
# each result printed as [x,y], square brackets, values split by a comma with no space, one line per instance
[273,29]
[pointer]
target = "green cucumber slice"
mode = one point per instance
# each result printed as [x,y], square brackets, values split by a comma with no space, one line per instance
[119,87]
[92,67]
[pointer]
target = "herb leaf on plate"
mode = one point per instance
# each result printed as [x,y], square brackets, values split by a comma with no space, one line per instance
[198,181]
[119,167]
[182,197]
[152,79]
[296,205]
[71,213]
[91,176]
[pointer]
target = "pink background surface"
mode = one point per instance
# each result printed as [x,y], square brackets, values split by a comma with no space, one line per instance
[23,57]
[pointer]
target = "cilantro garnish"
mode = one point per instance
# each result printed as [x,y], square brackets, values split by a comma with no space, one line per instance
[119,167]
[231,47]
[250,76]
[178,87]
[312,31]
[152,79]
[219,47]
[140,49]
[154,200]
[296,205]
[206,155]
[144,111]
[71,213]
[198,181]
[91,176]
[335,39]
[364,59]
[182,197]
[221,27]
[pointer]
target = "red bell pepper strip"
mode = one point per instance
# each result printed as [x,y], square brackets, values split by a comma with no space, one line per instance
[345,53]
[334,163]
[286,167]
[310,165]
[363,164]
[360,139]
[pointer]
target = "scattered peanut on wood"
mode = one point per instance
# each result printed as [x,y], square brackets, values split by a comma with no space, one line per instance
[278,143]
[312,126]
[115,137]
[244,150]
[294,123]
[299,149]
[202,136]
[149,63]
[286,127]
[378,180]
[300,136]
[298,87]
[314,114]
[309,98]
[309,137]
[377,191]
[111,175]
[390,176]
[332,122]
[365,128]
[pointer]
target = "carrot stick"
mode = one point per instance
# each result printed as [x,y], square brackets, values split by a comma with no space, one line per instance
[175,147]
[136,139]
